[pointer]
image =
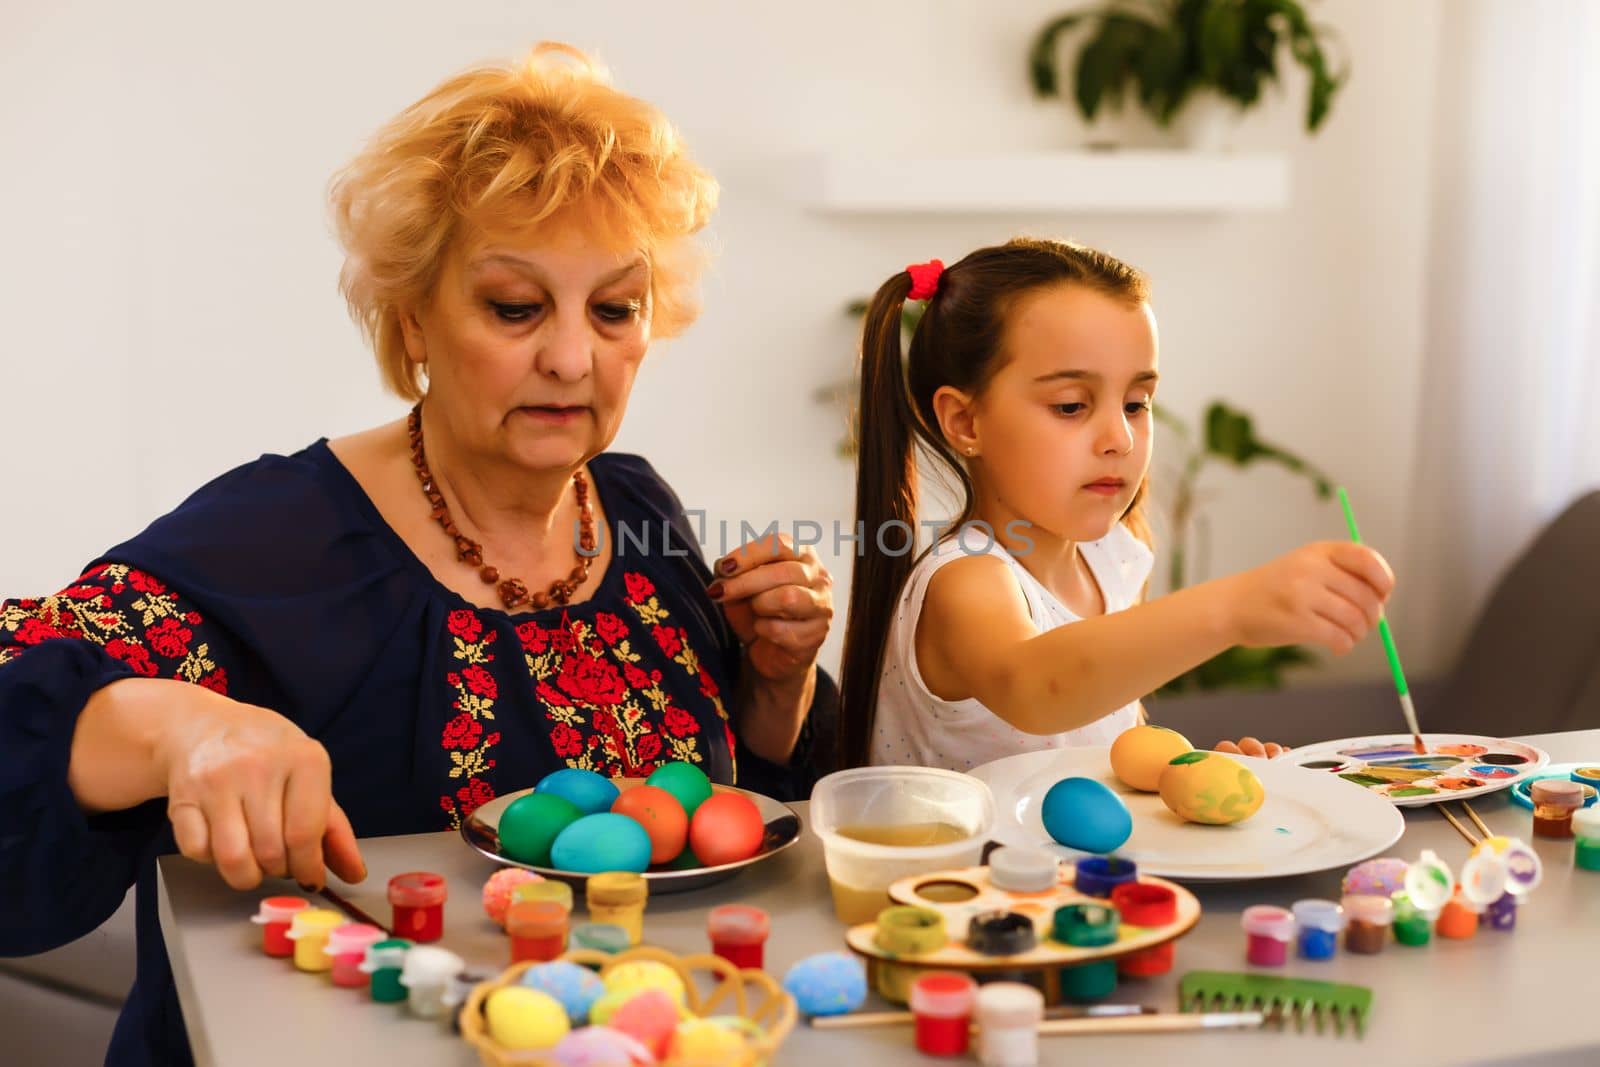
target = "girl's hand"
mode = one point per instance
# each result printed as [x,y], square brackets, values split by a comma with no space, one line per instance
[779,601]
[1329,593]
[1249,746]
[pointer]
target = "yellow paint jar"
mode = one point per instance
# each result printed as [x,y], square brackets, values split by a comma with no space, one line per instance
[309,930]
[905,932]
[618,897]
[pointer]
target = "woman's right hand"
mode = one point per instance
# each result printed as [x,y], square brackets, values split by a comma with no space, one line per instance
[1328,593]
[246,789]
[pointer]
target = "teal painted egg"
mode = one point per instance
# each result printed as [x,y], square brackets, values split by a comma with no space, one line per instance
[530,825]
[604,842]
[685,781]
[1084,814]
[591,792]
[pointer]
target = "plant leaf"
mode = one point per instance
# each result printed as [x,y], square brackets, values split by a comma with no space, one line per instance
[1042,55]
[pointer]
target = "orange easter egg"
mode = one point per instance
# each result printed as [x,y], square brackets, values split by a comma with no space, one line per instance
[662,817]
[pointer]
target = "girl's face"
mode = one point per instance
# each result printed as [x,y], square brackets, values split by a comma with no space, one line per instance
[532,342]
[1063,432]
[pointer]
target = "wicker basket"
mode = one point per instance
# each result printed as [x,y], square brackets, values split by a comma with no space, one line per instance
[749,993]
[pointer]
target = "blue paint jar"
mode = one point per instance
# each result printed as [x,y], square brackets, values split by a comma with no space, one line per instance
[1097,876]
[1317,924]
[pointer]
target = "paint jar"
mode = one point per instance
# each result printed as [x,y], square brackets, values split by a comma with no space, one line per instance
[1429,883]
[1458,919]
[1268,930]
[1317,926]
[1148,907]
[942,1002]
[383,963]
[1586,828]
[618,897]
[538,930]
[427,971]
[274,916]
[1368,918]
[738,934]
[309,931]
[1087,926]
[1097,876]
[602,937]
[1554,801]
[1023,870]
[1501,914]
[905,932]
[549,889]
[1001,933]
[1589,776]
[418,901]
[1412,925]
[347,948]
[1009,1014]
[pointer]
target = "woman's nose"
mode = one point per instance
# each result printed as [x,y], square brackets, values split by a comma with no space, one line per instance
[566,350]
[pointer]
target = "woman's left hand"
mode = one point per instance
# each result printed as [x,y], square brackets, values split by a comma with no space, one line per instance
[779,601]
[1249,746]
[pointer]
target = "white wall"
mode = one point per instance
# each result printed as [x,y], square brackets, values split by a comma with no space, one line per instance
[168,292]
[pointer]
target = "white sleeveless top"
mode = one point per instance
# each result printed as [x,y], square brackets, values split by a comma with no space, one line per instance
[915,727]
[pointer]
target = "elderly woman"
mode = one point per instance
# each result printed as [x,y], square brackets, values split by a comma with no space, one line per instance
[379,633]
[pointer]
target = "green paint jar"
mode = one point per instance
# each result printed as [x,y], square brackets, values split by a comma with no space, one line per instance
[1087,926]
[383,962]
[1412,925]
[1586,829]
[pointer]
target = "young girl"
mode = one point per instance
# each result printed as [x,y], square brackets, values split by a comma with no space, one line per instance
[1031,377]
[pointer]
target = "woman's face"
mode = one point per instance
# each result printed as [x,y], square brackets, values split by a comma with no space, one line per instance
[532,341]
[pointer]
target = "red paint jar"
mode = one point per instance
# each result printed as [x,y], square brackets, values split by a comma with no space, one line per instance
[942,1002]
[1268,931]
[274,918]
[418,901]
[1146,906]
[739,934]
[538,930]
[347,948]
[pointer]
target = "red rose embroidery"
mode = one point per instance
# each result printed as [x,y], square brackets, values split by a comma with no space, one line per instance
[84,592]
[216,681]
[567,741]
[533,639]
[610,628]
[591,681]
[640,588]
[145,583]
[135,656]
[668,639]
[34,631]
[548,693]
[562,641]
[649,747]
[462,732]
[464,624]
[480,681]
[708,687]
[474,795]
[170,638]
[604,722]
[636,678]
[192,618]
[680,723]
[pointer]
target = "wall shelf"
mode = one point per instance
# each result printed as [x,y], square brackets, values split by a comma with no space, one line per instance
[1141,181]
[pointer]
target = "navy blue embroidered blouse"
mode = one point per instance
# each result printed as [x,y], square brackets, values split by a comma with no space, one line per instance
[279,584]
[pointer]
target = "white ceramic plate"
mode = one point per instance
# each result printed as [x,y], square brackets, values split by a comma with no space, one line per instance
[1456,767]
[1310,820]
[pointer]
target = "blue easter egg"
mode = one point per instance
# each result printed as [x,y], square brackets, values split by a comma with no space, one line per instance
[1084,814]
[604,842]
[592,793]
[575,987]
[830,983]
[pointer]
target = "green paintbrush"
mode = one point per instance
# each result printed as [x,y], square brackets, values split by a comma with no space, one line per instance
[1408,708]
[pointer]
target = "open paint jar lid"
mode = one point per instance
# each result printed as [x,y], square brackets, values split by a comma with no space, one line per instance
[908,931]
[1001,933]
[1086,925]
[1023,870]
[1145,905]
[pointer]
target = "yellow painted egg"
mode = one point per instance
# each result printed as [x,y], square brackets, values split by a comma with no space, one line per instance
[1140,755]
[521,1018]
[1209,788]
[705,1041]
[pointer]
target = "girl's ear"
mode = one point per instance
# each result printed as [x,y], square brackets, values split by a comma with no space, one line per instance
[954,410]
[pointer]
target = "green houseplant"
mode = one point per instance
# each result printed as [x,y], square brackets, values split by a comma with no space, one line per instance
[1164,52]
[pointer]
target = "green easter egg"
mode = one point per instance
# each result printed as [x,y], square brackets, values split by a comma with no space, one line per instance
[685,781]
[530,825]
[686,861]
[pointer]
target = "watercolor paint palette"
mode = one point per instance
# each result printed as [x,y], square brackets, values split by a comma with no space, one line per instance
[1455,767]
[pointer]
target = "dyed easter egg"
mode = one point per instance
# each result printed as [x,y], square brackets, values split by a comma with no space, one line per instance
[497,891]
[829,983]
[600,1046]
[576,988]
[531,823]
[706,1041]
[603,842]
[726,828]
[685,781]
[686,861]
[1084,814]
[590,792]
[649,1017]
[1139,755]
[645,974]
[1206,787]
[521,1018]
[662,817]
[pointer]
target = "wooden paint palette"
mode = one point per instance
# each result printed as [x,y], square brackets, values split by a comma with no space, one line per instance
[1455,767]
[974,894]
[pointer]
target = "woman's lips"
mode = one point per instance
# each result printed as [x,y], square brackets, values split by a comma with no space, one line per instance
[553,414]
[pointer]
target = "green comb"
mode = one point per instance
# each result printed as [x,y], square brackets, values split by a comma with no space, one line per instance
[1286,998]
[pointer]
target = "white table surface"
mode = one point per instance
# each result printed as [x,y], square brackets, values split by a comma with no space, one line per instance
[1521,997]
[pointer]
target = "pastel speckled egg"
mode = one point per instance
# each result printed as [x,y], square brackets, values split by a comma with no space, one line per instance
[497,891]
[683,780]
[1084,814]
[576,987]
[521,1018]
[591,792]
[1206,787]
[830,983]
[530,825]
[649,1017]
[706,1041]
[600,1046]
[726,828]
[662,817]
[1140,755]
[603,842]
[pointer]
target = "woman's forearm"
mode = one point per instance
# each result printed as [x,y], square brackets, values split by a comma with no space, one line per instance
[115,762]
[771,714]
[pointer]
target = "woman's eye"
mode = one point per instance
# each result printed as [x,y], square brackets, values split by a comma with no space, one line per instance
[514,312]
[1068,409]
[616,312]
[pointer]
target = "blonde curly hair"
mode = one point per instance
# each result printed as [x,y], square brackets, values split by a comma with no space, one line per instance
[514,145]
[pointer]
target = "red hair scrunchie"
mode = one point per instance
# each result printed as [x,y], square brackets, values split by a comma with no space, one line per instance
[924,279]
